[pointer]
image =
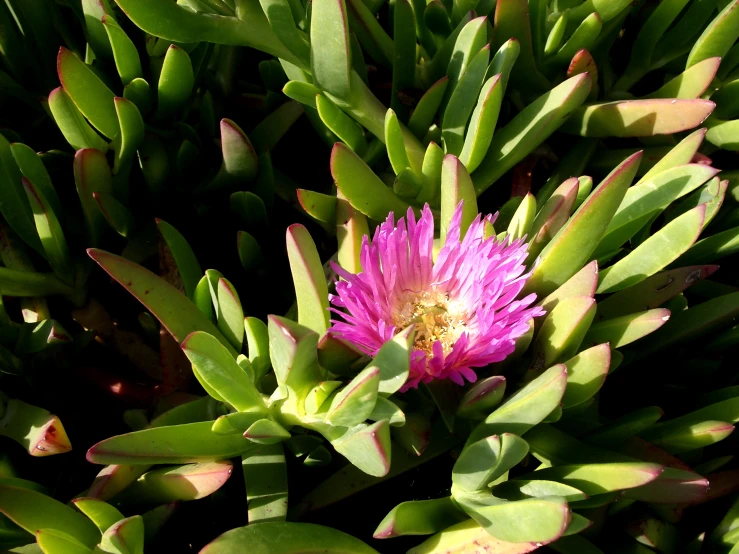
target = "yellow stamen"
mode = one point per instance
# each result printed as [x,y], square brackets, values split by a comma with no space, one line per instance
[435,317]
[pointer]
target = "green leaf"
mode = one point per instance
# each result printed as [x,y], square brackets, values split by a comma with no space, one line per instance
[539,520]
[34,511]
[362,188]
[425,111]
[351,228]
[557,34]
[286,538]
[583,38]
[187,264]
[624,427]
[718,38]
[367,447]
[564,329]
[125,537]
[179,483]
[292,349]
[341,124]
[526,407]
[576,241]
[520,489]
[692,83]
[355,402]
[586,374]
[469,536]
[132,133]
[52,541]
[600,478]
[655,253]
[311,290]
[329,37]
[176,82]
[265,476]
[281,20]
[461,102]
[523,218]
[484,461]
[404,62]
[14,204]
[482,397]
[482,124]
[215,367]
[649,197]
[173,444]
[552,216]
[92,175]
[681,154]
[456,187]
[385,409]
[229,314]
[625,329]
[172,308]
[90,95]
[638,118]
[116,214]
[419,517]
[33,169]
[692,437]
[102,514]
[713,248]
[27,283]
[471,39]
[50,232]
[529,129]
[395,144]
[72,124]
[124,51]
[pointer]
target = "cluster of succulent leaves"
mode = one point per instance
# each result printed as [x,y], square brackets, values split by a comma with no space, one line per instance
[597,129]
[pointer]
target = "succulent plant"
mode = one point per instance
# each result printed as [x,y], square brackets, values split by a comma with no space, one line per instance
[483,344]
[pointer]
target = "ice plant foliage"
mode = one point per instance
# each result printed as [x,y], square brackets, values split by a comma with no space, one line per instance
[464,304]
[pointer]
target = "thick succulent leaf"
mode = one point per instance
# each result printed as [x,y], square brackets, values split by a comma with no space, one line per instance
[467,538]
[425,111]
[655,253]
[625,426]
[625,329]
[125,537]
[582,283]
[563,330]
[124,51]
[419,517]
[601,478]
[479,133]
[648,197]
[282,21]
[367,447]
[461,102]
[362,188]
[351,228]
[586,374]
[52,541]
[14,204]
[572,246]
[174,444]
[718,37]
[482,397]
[484,461]
[179,483]
[523,218]
[395,144]
[265,476]
[310,283]
[102,514]
[355,402]
[526,407]
[286,538]
[217,370]
[692,83]
[172,308]
[176,82]
[712,248]
[292,349]
[91,96]
[187,264]
[674,486]
[92,175]
[33,511]
[638,118]
[583,38]
[341,124]
[177,23]
[75,128]
[538,520]
[456,187]
[529,129]
[520,489]
[33,169]
[692,437]
[693,323]
[329,37]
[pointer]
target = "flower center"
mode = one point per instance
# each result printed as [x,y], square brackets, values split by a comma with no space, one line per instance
[435,318]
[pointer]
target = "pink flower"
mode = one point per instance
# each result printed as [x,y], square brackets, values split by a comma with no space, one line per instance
[464,305]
